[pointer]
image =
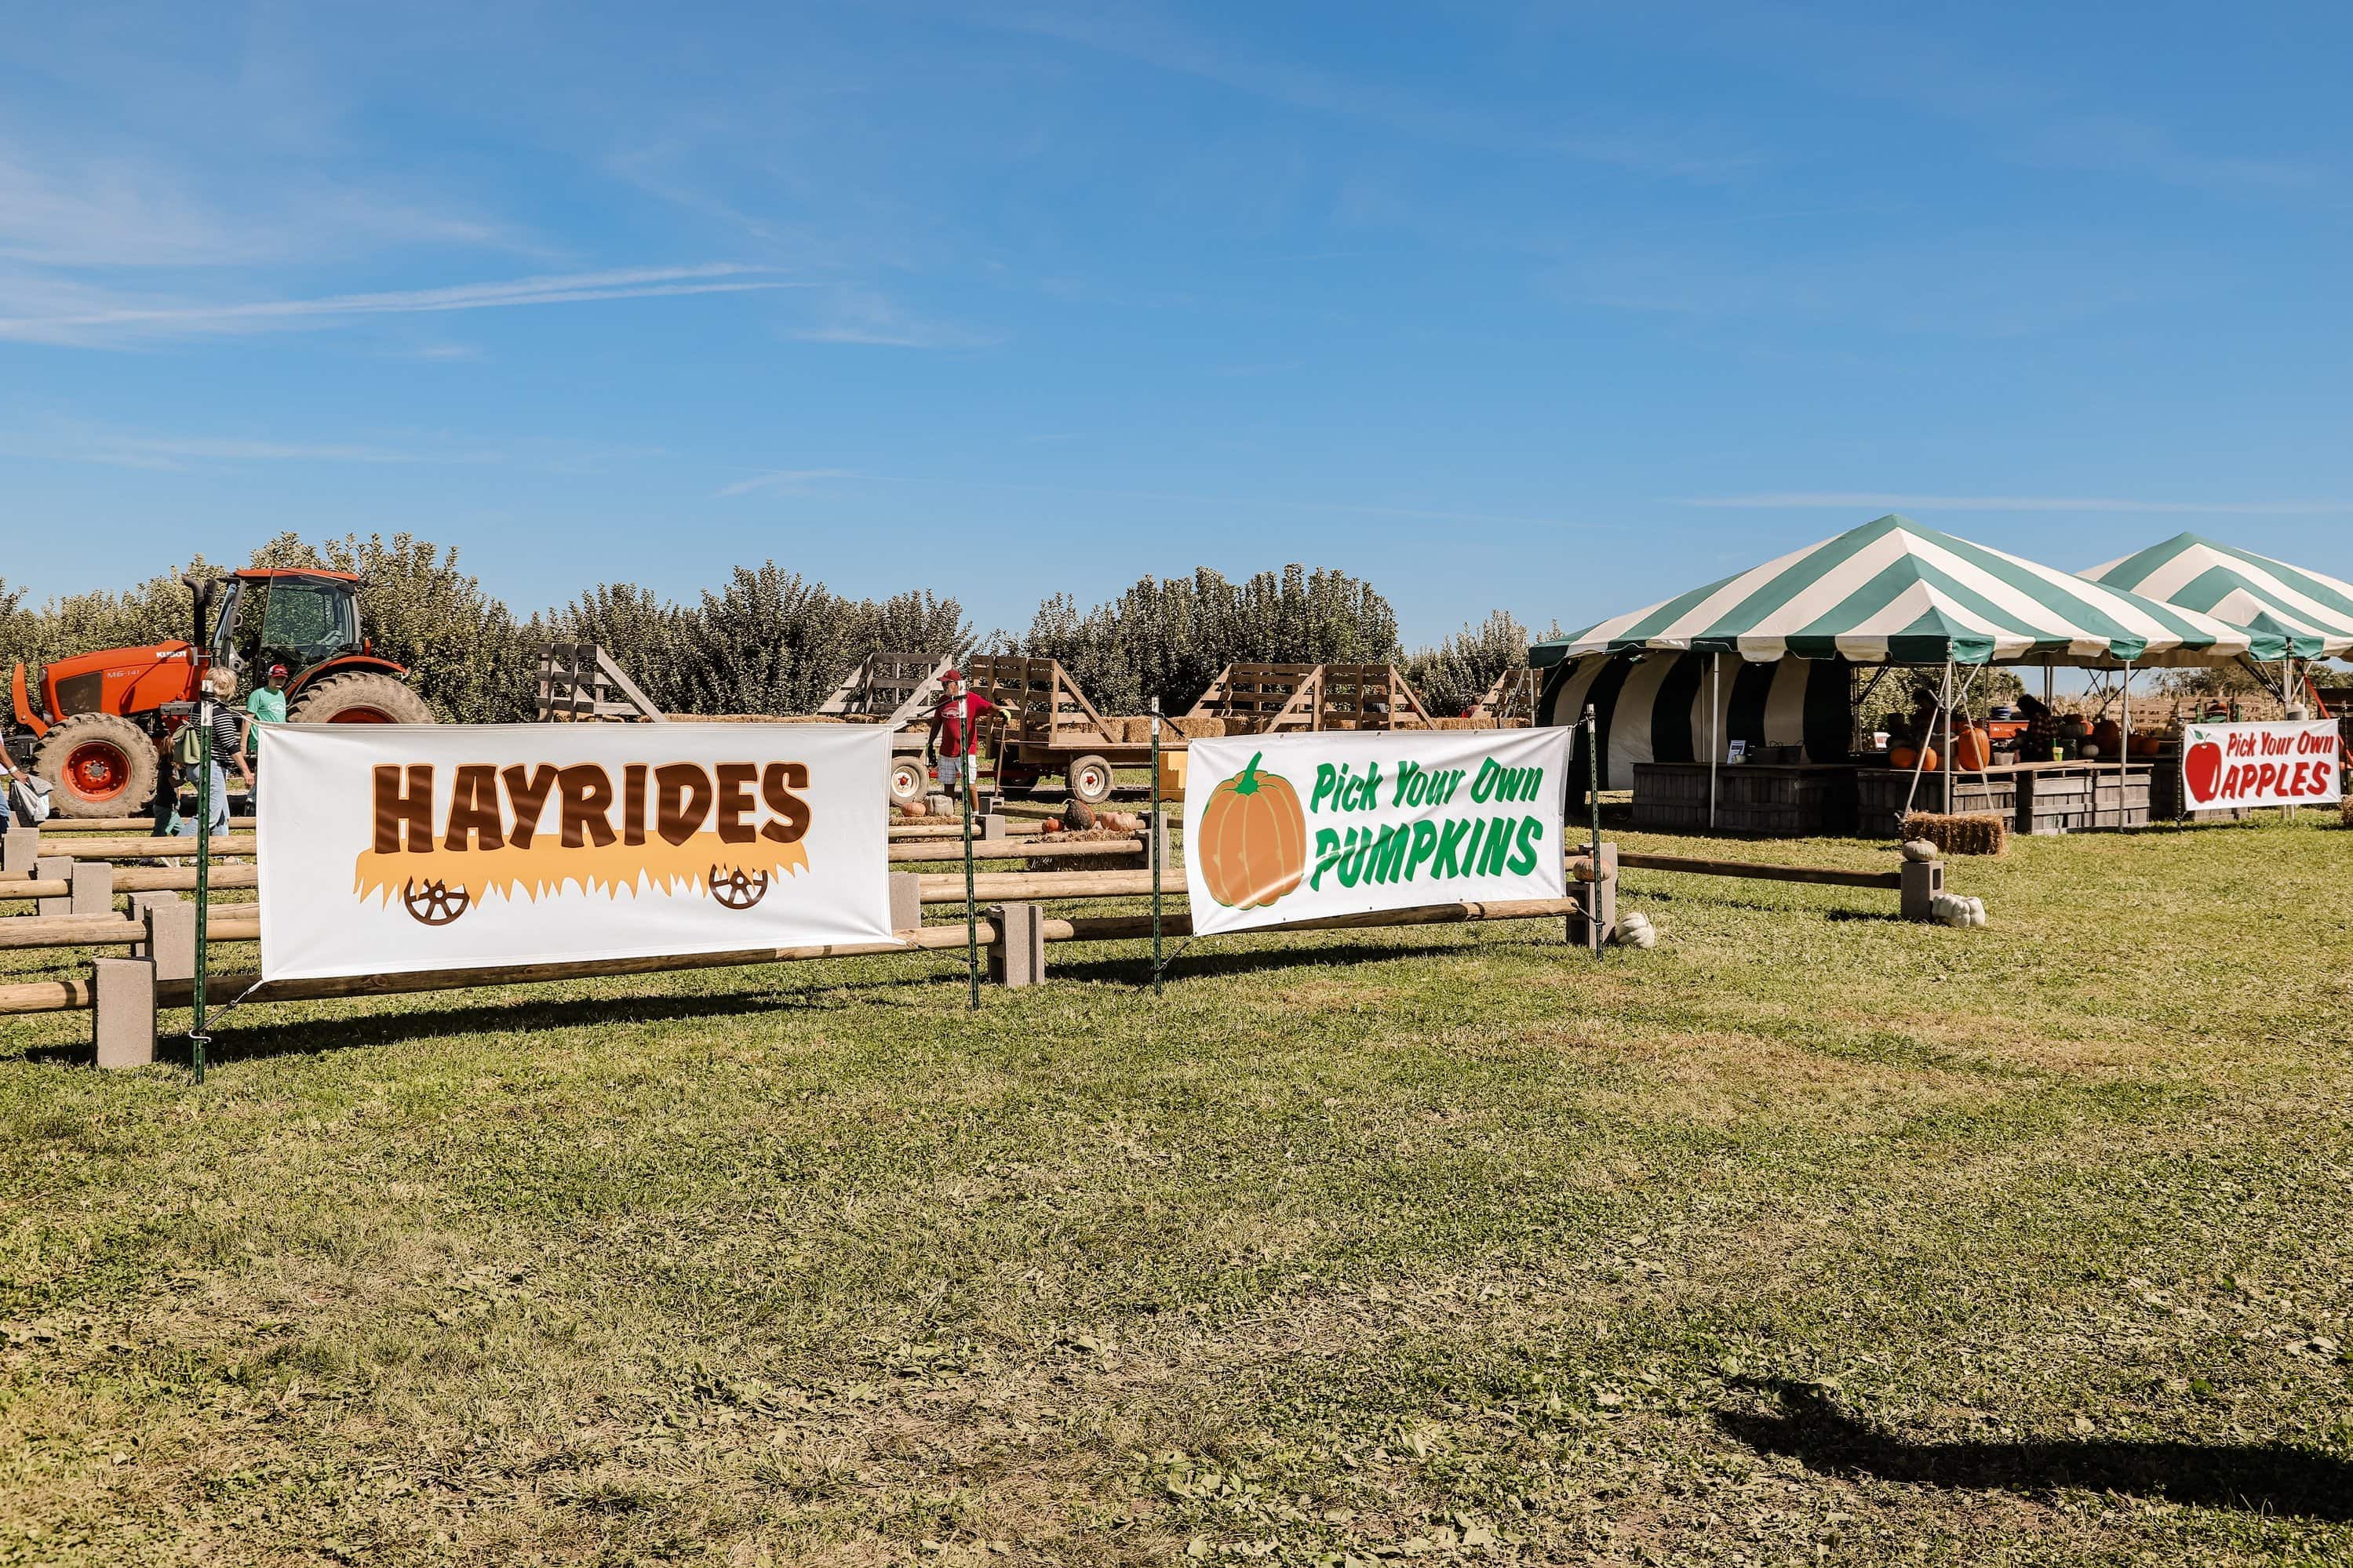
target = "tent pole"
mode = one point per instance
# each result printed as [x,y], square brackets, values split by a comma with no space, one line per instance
[1714,730]
[2124,763]
[1947,758]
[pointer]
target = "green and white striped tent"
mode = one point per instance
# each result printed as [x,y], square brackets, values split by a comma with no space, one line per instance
[2311,615]
[1890,592]
[1893,592]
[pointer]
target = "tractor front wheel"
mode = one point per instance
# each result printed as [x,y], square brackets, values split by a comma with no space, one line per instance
[360,698]
[98,765]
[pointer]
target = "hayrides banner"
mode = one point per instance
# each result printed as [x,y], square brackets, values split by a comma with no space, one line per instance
[390,849]
[1283,828]
[2291,763]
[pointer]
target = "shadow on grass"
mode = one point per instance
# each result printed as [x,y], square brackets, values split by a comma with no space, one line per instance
[252,1036]
[2270,1479]
[1199,965]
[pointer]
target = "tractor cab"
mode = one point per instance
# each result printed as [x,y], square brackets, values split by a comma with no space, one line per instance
[299,619]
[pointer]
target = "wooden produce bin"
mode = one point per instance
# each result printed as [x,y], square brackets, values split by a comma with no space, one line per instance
[1783,800]
[1880,794]
[2068,797]
[2167,802]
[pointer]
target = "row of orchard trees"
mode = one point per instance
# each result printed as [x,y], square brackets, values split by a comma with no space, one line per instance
[770,641]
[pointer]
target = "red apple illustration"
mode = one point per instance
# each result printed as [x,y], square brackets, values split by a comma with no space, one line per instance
[2201,766]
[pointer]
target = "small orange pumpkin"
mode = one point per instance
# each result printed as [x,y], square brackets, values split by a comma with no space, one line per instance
[1905,758]
[911,809]
[1253,839]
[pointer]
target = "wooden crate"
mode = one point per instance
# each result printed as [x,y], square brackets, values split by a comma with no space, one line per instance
[2070,800]
[1784,803]
[2168,803]
[1880,795]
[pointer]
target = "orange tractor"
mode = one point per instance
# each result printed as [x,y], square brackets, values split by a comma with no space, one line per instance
[94,722]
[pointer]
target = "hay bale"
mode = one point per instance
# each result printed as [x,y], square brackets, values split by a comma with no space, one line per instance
[1975,833]
[1201,727]
[1087,862]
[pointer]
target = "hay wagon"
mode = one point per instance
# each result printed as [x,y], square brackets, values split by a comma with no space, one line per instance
[1274,698]
[579,683]
[1045,728]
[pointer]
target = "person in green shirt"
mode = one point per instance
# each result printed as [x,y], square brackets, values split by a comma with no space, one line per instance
[266,706]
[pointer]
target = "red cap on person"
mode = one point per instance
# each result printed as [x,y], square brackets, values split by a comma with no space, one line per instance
[276,671]
[951,673]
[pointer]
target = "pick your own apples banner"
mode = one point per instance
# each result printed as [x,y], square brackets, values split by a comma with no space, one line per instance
[1282,829]
[2291,763]
[388,848]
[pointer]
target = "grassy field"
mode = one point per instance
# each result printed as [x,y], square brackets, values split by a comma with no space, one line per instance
[1807,1236]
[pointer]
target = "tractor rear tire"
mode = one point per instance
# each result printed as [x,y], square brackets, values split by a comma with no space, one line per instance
[98,765]
[360,698]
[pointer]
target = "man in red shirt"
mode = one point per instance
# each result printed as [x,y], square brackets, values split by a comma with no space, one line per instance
[953,732]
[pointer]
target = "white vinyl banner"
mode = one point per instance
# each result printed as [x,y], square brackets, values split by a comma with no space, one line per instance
[2290,763]
[388,848]
[1282,829]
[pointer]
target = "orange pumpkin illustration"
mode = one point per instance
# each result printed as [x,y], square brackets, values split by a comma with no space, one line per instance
[1253,839]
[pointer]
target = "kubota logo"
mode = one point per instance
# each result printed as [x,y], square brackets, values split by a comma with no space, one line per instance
[725,829]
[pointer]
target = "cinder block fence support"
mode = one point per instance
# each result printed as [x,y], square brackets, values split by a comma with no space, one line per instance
[1923,880]
[906,900]
[123,1015]
[20,850]
[171,939]
[54,869]
[93,888]
[1017,956]
[1597,897]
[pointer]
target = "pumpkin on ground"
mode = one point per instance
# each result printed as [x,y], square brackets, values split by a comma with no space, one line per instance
[1253,839]
[911,809]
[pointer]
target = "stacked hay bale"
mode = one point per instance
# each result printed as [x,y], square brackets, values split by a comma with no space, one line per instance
[1976,833]
[1089,862]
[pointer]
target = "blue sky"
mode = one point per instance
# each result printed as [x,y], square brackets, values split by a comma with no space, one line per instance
[1560,308]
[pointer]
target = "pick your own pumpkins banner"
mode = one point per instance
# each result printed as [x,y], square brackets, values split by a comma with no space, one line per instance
[388,848]
[2290,763]
[1282,828]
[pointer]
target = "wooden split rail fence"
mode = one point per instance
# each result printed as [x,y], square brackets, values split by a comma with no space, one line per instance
[124,995]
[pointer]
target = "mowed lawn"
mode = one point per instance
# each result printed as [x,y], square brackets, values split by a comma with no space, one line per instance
[1807,1236]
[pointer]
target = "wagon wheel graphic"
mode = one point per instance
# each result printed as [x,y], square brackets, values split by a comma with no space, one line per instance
[434,903]
[738,889]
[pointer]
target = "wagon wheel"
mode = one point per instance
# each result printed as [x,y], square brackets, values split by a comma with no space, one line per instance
[434,903]
[738,889]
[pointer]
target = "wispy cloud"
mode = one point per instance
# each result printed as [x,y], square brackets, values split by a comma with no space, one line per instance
[862,316]
[437,353]
[119,321]
[785,480]
[792,478]
[1882,501]
[1154,41]
[125,209]
[74,442]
